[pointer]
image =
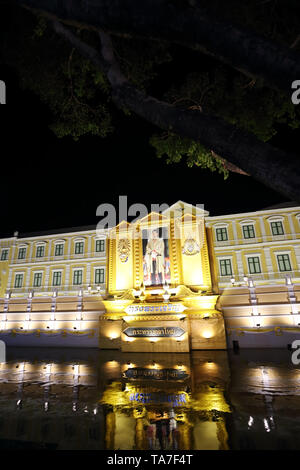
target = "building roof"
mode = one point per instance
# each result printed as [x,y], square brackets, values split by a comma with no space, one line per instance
[282,205]
[82,228]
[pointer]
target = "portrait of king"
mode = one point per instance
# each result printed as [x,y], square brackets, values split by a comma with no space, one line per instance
[156,260]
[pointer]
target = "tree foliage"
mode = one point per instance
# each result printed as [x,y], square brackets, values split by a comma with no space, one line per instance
[78,94]
[175,148]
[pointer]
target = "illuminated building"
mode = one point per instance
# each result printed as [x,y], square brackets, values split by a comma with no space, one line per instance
[180,287]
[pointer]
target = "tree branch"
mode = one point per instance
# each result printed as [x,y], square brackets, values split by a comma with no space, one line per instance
[273,167]
[244,50]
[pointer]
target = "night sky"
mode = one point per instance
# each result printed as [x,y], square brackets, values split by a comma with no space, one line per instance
[49,183]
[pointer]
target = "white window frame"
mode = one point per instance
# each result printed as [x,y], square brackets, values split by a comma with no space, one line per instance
[22,247]
[245,223]
[79,240]
[104,243]
[254,255]
[73,271]
[276,218]
[94,275]
[2,250]
[38,245]
[23,277]
[285,252]
[218,226]
[52,277]
[222,258]
[34,273]
[59,242]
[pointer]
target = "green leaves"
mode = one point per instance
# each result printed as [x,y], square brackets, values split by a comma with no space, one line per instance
[176,148]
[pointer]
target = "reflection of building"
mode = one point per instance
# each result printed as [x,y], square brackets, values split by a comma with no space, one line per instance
[88,402]
[265,398]
[185,413]
[88,289]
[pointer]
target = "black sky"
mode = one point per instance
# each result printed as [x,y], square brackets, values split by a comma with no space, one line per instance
[49,183]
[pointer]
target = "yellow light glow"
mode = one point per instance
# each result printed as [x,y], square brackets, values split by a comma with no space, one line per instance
[207,334]
[179,338]
[180,367]
[153,340]
[113,335]
[130,365]
[154,366]
[129,339]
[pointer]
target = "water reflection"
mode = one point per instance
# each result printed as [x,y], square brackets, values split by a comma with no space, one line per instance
[66,399]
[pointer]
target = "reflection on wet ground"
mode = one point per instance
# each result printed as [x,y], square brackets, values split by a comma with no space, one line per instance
[90,399]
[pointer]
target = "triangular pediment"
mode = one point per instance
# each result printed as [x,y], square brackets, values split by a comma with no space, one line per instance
[123,225]
[180,208]
[152,219]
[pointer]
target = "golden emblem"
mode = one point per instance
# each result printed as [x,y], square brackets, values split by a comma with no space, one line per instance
[123,249]
[190,247]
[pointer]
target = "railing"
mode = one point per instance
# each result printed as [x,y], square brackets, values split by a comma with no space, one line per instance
[85,288]
[265,238]
[65,257]
[238,279]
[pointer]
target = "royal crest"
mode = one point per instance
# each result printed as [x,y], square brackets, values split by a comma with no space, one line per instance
[190,247]
[124,249]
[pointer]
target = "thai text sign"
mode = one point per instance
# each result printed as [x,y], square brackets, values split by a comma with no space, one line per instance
[154,331]
[156,374]
[176,399]
[158,308]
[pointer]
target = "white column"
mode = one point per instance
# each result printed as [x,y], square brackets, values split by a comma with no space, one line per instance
[9,286]
[46,283]
[88,273]
[30,252]
[234,231]
[67,276]
[292,226]
[297,254]
[267,253]
[49,249]
[240,264]
[262,228]
[27,278]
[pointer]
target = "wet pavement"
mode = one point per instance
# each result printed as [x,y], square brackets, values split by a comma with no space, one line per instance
[90,399]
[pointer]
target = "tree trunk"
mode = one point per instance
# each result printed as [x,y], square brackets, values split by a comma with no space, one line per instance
[274,168]
[191,26]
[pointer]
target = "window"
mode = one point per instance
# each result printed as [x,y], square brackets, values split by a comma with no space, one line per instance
[277,228]
[56,280]
[254,265]
[284,263]
[77,277]
[59,249]
[40,251]
[99,276]
[100,245]
[4,255]
[221,234]
[22,253]
[225,267]
[78,248]
[18,280]
[248,231]
[37,279]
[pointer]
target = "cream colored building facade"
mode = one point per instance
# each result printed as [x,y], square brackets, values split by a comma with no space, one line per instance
[257,264]
[86,288]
